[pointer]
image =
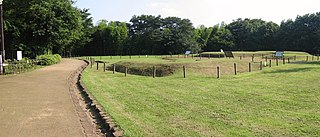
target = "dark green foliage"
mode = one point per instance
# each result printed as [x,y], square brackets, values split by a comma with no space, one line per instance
[15,66]
[145,69]
[253,34]
[48,59]
[146,34]
[220,38]
[301,34]
[57,27]
[40,27]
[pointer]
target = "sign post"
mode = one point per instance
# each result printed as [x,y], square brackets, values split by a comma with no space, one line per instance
[279,54]
[1,31]
[1,66]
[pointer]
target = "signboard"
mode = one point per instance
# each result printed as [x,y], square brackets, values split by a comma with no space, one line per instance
[188,53]
[19,55]
[279,53]
[228,54]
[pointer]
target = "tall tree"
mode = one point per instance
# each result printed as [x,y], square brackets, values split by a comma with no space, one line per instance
[39,27]
[202,35]
[220,38]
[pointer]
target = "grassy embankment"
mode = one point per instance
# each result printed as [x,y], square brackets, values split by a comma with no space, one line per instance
[278,101]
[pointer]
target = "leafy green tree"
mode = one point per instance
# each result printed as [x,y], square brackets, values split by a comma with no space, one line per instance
[39,27]
[88,30]
[202,35]
[220,38]
[252,34]
[303,34]
[143,30]
[182,35]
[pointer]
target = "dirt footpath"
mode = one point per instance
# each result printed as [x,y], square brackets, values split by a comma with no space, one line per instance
[40,104]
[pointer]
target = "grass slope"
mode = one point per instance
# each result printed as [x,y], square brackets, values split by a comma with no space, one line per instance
[279,101]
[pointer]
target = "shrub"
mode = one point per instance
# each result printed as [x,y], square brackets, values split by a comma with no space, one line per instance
[48,59]
[144,69]
[15,66]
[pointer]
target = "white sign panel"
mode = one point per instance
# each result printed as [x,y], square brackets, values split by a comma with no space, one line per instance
[279,54]
[19,55]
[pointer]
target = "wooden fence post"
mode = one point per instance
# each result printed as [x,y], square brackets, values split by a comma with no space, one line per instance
[184,71]
[284,61]
[218,72]
[240,57]
[104,67]
[261,65]
[318,57]
[288,60]
[125,71]
[114,68]
[266,59]
[249,67]
[270,61]
[235,68]
[252,58]
[154,72]
[97,65]
[277,62]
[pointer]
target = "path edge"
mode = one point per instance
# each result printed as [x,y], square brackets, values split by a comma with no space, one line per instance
[103,122]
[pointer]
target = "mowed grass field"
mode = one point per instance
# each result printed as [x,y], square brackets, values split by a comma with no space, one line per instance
[279,101]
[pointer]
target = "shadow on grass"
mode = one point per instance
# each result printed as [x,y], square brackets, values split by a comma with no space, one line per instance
[314,63]
[304,62]
[293,70]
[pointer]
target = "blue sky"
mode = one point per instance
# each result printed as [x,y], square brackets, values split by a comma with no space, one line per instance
[206,12]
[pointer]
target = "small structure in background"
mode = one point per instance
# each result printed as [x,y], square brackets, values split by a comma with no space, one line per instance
[228,54]
[187,53]
[279,54]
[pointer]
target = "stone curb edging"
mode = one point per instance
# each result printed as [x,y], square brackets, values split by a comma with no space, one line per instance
[104,122]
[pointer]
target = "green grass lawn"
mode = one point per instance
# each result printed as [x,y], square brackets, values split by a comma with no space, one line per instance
[278,101]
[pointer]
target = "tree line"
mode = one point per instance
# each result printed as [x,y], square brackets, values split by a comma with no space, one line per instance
[40,27]
[56,26]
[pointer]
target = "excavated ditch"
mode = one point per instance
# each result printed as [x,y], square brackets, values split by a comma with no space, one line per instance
[93,119]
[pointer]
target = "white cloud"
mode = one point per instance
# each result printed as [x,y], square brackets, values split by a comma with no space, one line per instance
[165,9]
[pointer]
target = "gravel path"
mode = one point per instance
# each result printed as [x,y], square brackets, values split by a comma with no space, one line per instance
[40,103]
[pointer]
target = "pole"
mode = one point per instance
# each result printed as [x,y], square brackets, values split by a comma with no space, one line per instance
[235,68]
[184,71]
[270,61]
[3,53]
[218,72]
[154,72]
[2,34]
